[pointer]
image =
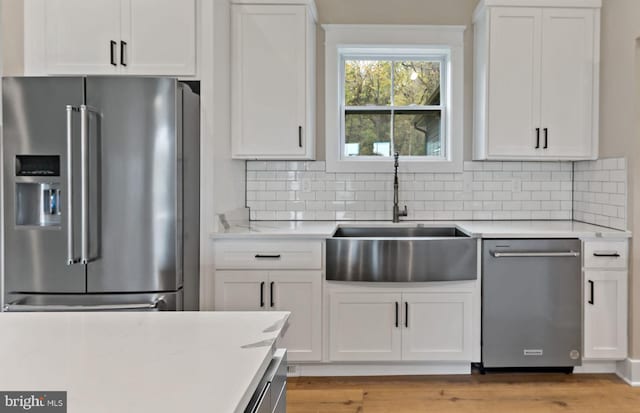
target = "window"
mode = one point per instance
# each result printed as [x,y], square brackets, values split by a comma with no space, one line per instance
[393,89]
[392,104]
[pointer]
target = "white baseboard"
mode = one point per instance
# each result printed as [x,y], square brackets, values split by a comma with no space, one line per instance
[629,371]
[353,369]
[596,367]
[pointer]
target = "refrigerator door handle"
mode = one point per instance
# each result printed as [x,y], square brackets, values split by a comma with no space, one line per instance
[85,111]
[84,186]
[71,259]
[16,307]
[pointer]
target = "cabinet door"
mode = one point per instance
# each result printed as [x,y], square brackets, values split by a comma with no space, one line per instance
[241,290]
[437,326]
[514,82]
[605,315]
[299,292]
[567,81]
[79,36]
[269,81]
[159,37]
[364,327]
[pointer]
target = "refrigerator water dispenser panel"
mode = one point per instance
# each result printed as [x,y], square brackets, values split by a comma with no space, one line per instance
[37,165]
[38,204]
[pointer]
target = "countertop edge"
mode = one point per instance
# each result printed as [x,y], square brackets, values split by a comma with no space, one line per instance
[253,386]
[466,226]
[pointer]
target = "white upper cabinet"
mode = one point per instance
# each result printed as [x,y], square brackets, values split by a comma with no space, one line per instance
[273,81]
[159,37]
[515,58]
[141,37]
[82,36]
[536,80]
[567,82]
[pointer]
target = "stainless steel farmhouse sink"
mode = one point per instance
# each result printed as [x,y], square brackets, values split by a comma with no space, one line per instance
[401,254]
[398,232]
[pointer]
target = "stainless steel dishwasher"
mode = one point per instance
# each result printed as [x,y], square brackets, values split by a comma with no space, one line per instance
[531,303]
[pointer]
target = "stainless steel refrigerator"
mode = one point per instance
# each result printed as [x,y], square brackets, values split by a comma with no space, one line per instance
[101,194]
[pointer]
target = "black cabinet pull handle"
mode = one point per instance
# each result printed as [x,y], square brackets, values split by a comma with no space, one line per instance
[591,287]
[271,256]
[123,53]
[606,254]
[546,138]
[112,52]
[271,301]
[397,318]
[406,314]
[537,138]
[300,136]
[262,294]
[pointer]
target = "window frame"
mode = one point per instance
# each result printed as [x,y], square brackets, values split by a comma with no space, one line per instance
[394,42]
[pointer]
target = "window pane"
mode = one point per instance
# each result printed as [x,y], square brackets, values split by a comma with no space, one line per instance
[367,133]
[416,83]
[417,133]
[367,83]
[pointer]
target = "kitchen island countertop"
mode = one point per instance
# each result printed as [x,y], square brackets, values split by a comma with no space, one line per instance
[138,361]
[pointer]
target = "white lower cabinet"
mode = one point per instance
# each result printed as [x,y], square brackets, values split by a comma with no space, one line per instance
[240,291]
[605,314]
[365,327]
[299,292]
[403,326]
[437,326]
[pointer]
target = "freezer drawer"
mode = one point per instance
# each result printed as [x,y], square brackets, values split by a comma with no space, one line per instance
[531,303]
[95,302]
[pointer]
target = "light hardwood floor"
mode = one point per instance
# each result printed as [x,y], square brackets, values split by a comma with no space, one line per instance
[495,393]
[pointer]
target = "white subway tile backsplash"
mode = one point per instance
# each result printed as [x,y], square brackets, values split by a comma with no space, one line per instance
[531,166]
[299,190]
[600,192]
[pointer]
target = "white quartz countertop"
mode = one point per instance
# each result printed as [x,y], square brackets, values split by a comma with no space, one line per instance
[480,229]
[163,362]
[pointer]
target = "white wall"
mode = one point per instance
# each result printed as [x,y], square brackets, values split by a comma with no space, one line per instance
[12,38]
[229,182]
[619,122]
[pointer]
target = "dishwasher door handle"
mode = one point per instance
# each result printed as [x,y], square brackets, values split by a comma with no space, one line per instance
[535,254]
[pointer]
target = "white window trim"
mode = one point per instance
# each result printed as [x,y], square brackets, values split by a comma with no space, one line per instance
[341,38]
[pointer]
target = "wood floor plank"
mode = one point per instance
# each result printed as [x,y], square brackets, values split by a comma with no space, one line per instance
[495,393]
[324,401]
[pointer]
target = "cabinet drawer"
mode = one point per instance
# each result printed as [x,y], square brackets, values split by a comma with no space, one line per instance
[268,255]
[605,254]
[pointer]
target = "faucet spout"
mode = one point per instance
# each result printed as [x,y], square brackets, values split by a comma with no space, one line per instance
[397,213]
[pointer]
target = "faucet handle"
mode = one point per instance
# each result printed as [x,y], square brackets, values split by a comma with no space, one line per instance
[405,212]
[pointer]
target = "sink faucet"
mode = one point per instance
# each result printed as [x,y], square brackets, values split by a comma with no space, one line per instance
[396,209]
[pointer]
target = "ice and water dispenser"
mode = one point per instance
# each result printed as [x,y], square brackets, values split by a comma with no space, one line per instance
[38,197]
